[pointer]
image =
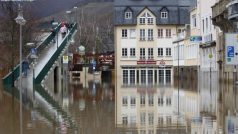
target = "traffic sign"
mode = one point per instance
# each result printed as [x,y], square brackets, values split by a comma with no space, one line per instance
[231,49]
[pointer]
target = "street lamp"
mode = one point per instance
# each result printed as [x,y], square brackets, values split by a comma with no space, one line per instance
[76,13]
[21,21]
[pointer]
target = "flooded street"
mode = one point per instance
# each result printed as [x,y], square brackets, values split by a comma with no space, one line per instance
[106,106]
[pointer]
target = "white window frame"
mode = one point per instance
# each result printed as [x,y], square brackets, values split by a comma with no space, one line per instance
[160,52]
[142,20]
[150,53]
[164,14]
[124,52]
[150,21]
[142,53]
[124,33]
[132,33]
[125,101]
[132,52]
[160,33]
[128,15]
[142,34]
[168,33]
[168,51]
[150,34]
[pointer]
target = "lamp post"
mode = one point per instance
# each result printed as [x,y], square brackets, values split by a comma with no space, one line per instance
[21,21]
[76,14]
[210,57]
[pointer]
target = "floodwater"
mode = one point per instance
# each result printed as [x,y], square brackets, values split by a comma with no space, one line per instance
[106,106]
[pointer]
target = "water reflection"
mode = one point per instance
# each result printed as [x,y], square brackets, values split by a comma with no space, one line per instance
[168,109]
[105,106]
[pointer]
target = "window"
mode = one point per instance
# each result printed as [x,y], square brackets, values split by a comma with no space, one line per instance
[125,76]
[150,34]
[143,76]
[132,76]
[146,17]
[151,118]
[128,15]
[142,53]
[142,100]
[132,52]
[206,24]
[151,100]
[124,52]
[142,118]
[164,14]
[168,101]
[160,121]
[168,33]
[168,76]
[160,52]
[150,53]
[161,76]
[133,101]
[168,51]
[142,34]
[132,33]
[124,121]
[150,76]
[124,33]
[203,27]
[160,33]
[150,21]
[124,101]
[160,101]
[194,23]
[142,20]
[168,120]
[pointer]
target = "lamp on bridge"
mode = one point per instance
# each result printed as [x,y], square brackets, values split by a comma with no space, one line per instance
[21,21]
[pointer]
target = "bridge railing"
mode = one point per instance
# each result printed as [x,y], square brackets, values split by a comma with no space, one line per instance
[9,79]
[55,56]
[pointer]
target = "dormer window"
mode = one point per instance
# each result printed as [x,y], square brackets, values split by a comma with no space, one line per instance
[146,17]
[164,15]
[128,15]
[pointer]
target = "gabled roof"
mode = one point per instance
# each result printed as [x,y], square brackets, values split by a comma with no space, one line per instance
[128,9]
[144,10]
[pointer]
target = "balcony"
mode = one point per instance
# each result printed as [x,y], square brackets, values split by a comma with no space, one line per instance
[233,10]
[220,15]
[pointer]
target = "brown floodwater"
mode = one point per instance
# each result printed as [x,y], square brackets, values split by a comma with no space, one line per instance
[107,106]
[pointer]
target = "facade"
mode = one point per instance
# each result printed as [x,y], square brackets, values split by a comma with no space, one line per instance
[144,36]
[209,33]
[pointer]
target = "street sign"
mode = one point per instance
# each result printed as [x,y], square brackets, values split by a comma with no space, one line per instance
[196,39]
[231,49]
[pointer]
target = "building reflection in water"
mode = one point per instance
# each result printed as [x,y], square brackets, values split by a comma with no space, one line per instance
[154,109]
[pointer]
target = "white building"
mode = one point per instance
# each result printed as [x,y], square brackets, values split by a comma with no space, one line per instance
[143,39]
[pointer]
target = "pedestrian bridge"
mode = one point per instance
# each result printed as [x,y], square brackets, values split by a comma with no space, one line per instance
[48,54]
